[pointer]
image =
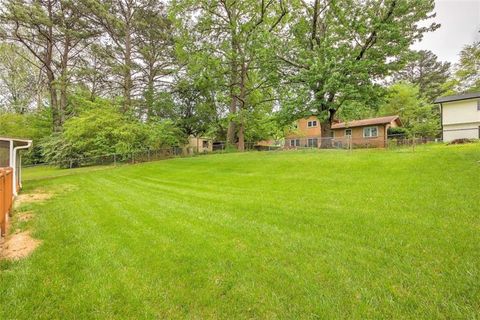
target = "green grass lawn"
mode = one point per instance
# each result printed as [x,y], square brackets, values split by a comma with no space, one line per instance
[287,235]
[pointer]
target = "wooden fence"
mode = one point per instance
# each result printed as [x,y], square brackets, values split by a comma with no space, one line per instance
[6,197]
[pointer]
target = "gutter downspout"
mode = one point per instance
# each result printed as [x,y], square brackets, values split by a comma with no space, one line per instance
[14,184]
[441,120]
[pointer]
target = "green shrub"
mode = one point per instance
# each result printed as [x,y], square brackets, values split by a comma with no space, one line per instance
[397,132]
[33,126]
[100,132]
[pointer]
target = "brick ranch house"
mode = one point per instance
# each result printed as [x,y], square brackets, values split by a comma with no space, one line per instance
[371,132]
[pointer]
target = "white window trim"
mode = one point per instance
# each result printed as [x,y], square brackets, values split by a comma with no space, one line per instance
[310,124]
[376,127]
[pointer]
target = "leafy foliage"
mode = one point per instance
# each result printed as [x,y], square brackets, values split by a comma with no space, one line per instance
[429,74]
[231,40]
[235,70]
[99,132]
[21,86]
[467,75]
[336,52]
[35,126]
[419,117]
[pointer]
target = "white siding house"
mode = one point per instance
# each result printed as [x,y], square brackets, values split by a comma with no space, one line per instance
[10,157]
[460,116]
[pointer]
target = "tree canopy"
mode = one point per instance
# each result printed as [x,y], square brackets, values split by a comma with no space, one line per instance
[467,74]
[235,70]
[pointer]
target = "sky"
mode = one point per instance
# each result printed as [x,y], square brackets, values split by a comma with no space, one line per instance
[460,20]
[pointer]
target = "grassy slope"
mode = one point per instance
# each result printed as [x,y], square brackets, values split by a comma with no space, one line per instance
[265,235]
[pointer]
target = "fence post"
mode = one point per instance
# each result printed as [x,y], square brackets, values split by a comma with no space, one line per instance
[114,159]
[3,205]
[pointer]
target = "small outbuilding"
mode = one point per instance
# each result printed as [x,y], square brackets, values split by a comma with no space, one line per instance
[199,145]
[10,156]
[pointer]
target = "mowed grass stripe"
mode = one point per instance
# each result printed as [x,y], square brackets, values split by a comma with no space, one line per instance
[367,234]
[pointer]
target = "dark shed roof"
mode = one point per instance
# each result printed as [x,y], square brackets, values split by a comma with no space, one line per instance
[458,97]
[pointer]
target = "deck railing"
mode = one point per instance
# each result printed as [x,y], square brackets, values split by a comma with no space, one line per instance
[6,197]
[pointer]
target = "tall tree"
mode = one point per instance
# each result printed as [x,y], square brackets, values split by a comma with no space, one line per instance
[234,34]
[467,74]
[117,48]
[55,33]
[154,38]
[429,74]
[90,74]
[418,116]
[21,83]
[338,51]
[193,111]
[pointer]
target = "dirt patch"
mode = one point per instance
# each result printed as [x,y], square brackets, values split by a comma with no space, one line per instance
[18,246]
[40,195]
[25,216]
[32,197]
[461,141]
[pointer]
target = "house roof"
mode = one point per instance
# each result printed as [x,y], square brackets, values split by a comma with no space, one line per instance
[365,122]
[458,97]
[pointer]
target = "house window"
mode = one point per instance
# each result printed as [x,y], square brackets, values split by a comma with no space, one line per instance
[295,143]
[205,144]
[348,132]
[312,143]
[370,132]
[312,123]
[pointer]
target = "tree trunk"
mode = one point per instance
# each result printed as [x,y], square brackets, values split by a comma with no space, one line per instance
[241,129]
[241,137]
[327,129]
[149,94]
[128,84]
[39,90]
[56,117]
[232,126]
[64,81]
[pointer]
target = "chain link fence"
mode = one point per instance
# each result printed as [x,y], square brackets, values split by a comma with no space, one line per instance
[343,143]
[349,143]
[116,158]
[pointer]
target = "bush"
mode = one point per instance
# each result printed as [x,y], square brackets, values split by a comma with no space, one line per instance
[397,132]
[33,126]
[100,132]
